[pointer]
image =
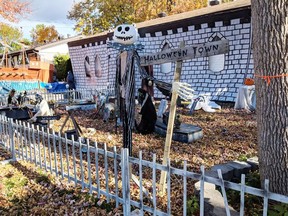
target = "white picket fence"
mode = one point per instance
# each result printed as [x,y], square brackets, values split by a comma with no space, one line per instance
[108,172]
[72,95]
[66,96]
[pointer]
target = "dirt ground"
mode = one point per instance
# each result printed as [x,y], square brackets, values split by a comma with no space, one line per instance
[227,135]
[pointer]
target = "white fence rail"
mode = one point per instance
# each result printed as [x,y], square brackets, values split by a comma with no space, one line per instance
[74,94]
[67,95]
[108,172]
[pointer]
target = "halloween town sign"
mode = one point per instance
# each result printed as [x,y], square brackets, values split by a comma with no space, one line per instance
[190,52]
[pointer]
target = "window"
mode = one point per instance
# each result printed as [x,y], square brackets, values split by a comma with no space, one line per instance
[216,62]
[166,67]
[98,67]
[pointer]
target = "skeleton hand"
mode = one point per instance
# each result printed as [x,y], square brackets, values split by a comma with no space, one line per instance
[184,90]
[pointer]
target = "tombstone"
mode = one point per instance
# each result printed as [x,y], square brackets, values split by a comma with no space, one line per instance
[162,108]
[186,133]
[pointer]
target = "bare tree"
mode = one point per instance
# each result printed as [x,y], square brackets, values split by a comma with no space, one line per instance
[270,53]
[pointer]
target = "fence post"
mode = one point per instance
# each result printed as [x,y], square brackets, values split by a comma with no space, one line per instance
[11,135]
[202,189]
[125,181]
[73,95]
[1,129]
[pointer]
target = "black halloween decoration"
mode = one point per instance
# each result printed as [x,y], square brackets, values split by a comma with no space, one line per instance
[148,113]
[128,57]
[125,38]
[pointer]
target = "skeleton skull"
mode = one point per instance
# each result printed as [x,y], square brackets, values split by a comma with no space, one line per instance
[125,34]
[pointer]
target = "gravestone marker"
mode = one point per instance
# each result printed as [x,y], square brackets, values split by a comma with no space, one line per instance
[162,108]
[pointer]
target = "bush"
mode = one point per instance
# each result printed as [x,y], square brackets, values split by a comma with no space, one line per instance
[254,204]
[60,63]
[193,206]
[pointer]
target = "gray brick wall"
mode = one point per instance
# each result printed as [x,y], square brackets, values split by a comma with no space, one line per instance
[221,85]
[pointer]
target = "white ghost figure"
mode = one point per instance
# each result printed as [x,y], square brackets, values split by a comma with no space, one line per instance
[125,34]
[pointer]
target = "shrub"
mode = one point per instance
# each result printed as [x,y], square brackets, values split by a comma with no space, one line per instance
[60,63]
[193,206]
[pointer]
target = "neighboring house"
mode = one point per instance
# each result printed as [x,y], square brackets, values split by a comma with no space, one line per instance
[25,66]
[33,64]
[48,51]
[219,76]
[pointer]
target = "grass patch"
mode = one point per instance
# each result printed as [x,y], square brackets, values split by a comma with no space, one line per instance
[193,206]
[26,190]
[12,180]
[254,204]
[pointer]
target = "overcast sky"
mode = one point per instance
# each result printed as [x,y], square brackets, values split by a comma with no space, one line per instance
[48,12]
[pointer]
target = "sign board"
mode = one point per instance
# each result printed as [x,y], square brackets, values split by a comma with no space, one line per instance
[189,52]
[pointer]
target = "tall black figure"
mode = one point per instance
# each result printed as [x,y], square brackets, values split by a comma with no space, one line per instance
[124,40]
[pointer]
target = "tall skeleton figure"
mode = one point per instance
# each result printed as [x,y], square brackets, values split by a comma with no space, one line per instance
[124,40]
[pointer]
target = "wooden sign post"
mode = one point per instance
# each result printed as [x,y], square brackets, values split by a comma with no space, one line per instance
[170,126]
[178,55]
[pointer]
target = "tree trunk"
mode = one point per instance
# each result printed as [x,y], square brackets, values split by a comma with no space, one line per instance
[270,53]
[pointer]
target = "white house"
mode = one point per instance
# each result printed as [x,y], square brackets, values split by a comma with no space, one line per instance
[48,51]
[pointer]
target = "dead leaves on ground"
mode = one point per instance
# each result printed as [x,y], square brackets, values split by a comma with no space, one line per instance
[26,190]
[228,135]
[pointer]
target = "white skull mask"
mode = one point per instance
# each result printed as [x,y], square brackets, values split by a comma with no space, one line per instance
[125,34]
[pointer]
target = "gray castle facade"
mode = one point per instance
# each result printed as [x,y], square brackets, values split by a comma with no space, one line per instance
[231,21]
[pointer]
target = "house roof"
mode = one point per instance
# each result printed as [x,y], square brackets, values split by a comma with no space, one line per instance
[15,53]
[196,13]
[56,43]
[97,37]
[45,46]
[219,12]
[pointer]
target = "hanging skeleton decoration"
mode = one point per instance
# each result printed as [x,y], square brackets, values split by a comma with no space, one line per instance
[125,40]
